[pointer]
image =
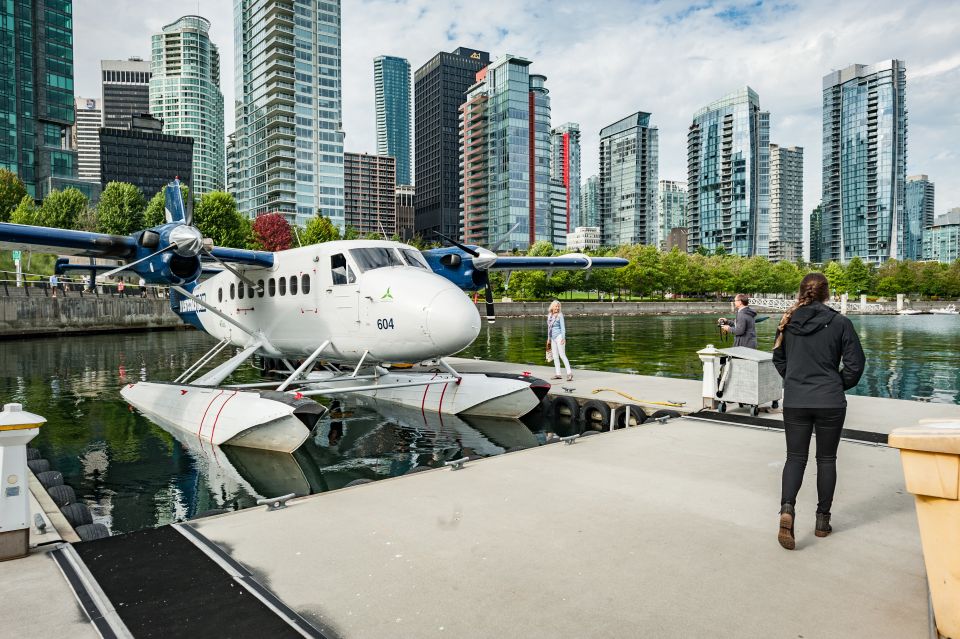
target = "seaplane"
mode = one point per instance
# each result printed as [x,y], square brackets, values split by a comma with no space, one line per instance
[331,319]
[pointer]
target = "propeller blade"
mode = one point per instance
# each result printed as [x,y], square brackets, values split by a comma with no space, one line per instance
[127,267]
[505,237]
[460,246]
[238,274]
[488,291]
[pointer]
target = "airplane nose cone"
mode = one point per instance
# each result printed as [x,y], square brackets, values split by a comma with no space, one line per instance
[452,321]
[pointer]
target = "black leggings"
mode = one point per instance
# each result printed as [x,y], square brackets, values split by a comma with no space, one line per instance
[799,424]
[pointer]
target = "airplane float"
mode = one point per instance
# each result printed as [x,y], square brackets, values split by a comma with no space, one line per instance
[336,316]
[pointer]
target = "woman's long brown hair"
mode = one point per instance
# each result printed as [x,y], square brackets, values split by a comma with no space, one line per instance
[813,288]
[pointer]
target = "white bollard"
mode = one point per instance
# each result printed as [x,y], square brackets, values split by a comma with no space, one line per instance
[899,302]
[843,304]
[710,358]
[17,428]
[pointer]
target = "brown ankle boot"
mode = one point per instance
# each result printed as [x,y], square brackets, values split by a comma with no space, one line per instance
[785,535]
[823,525]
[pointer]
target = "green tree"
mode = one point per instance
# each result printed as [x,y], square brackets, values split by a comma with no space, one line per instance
[12,193]
[217,218]
[154,215]
[676,271]
[720,250]
[27,212]
[350,233]
[836,277]
[62,209]
[542,248]
[121,209]
[320,229]
[702,250]
[858,277]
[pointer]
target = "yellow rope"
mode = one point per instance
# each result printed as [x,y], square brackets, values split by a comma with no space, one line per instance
[634,399]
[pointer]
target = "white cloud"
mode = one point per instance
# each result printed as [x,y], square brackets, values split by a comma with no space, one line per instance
[607,59]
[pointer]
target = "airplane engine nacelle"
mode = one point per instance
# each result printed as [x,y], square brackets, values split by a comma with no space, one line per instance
[456,266]
[170,269]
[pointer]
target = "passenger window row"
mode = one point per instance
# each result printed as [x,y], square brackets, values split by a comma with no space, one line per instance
[271,288]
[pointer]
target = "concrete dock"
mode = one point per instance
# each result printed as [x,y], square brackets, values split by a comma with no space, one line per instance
[661,530]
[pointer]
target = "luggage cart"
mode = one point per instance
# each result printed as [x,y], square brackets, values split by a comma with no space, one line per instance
[747,377]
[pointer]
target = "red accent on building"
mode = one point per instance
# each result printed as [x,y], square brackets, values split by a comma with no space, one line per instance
[566,173]
[532,168]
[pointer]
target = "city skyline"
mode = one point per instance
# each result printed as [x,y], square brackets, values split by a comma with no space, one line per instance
[782,52]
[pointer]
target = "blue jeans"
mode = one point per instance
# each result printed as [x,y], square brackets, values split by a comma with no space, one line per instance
[799,425]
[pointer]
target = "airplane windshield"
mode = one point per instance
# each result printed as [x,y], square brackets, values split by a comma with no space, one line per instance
[370,258]
[414,258]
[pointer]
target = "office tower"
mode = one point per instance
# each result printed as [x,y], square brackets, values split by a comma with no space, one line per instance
[864,161]
[505,145]
[786,203]
[590,202]
[232,168]
[289,136]
[671,210]
[728,173]
[440,88]
[941,241]
[405,211]
[816,235]
[369,190]
[391,78]
[918,215]
[559,221]
[143,155]
[565,168]
[86,138]
[36,94]
[125,90]
[185,94]
[628,181]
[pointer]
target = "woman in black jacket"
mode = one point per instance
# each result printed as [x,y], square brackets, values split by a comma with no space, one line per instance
[818,354]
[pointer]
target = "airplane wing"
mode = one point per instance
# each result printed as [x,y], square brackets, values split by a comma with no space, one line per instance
[19,237]
[260,259]
[572,261]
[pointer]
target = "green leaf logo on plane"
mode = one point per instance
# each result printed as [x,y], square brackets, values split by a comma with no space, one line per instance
[387,295]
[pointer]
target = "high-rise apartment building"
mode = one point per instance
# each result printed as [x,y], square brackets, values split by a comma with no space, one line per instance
[36,93]
[369,189]
[391,79]
[440,87]
[864,161]
[671,210]
[231,174]
[728,173]
[816,235]
[125,90]
[918,215]
[86,138]
[786,203]
[185,94]
[559,208]
[405,211]
[505,164]
[143,155]
[628,181]
[941,242]
[565,168]
[590,202]
[289,133]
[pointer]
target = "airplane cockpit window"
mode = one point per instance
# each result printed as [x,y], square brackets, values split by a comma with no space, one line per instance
[371,258]
[340,270]
[414,258]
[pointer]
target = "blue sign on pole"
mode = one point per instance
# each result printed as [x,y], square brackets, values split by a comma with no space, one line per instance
[16,256]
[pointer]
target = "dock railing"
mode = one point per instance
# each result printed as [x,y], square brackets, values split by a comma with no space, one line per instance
[782,304]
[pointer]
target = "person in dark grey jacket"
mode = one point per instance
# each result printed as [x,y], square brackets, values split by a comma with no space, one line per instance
[818,354]
[744,328]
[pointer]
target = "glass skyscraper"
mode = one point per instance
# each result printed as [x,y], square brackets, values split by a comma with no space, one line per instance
[864,161]
[391,78]
[918,215]
[565,169]
[816,235]
[628,181]
[125,90]
[289,137]
[36,93]
[185,94]
[941,242]
[786,203]
[671,209]
[728,176]
[590,202]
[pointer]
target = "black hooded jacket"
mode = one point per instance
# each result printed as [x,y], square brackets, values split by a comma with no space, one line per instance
[815,343]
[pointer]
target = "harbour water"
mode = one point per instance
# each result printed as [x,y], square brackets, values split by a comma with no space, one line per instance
[134,475]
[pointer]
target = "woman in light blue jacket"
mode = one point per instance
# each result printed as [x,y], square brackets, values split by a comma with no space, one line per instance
[557,336]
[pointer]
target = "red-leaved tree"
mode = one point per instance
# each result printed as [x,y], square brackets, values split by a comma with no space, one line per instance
[272,232]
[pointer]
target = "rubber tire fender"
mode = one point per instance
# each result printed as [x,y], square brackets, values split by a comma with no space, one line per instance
[672,414]
[50,478]
[77,514]
[561,402]
[32,453]
[595,413]
[90,532]
[38,466]
[62,495]
[636,413]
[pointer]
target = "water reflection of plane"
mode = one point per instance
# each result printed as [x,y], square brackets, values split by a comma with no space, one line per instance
[357,441]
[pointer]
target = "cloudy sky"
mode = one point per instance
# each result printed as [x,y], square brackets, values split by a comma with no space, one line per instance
[605,59]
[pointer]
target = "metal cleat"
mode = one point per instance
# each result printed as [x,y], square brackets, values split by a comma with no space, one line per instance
[457,464]
[570,439]
[568,389]
[276,503]
[39,522]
